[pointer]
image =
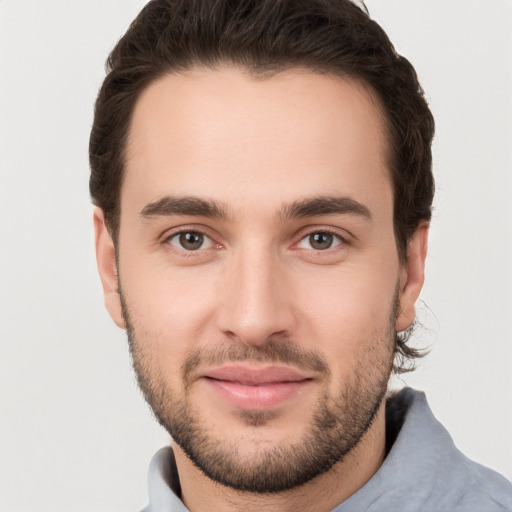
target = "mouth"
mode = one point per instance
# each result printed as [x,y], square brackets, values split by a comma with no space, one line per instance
[255,387]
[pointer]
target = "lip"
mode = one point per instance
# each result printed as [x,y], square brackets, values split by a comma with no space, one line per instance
[255,375]
[255,387]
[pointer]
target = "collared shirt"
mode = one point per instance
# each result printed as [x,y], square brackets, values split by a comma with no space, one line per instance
[423,471]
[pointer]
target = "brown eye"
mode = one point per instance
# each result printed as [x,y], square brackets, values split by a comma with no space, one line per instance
[190,241]
[320,241]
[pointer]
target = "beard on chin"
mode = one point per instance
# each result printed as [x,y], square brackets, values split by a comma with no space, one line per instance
[336,425]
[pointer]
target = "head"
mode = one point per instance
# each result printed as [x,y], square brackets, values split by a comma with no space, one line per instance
[263,178]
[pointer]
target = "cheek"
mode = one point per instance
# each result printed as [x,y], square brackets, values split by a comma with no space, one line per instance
[349,314]
[169,309]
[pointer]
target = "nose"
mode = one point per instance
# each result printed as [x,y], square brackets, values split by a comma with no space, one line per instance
[257,299]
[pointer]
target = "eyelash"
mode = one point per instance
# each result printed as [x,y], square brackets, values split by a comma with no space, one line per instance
[342,241]
[192,230]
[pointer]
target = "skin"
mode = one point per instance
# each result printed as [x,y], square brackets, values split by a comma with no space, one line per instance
[253,148]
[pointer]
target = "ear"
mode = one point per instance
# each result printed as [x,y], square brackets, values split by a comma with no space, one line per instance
[106,260]
[413,276]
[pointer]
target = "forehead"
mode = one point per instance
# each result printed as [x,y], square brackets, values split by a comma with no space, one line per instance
[244,140]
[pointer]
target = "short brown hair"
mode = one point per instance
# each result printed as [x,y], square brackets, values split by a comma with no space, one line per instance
[333,37]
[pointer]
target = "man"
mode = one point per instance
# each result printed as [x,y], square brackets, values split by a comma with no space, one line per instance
[262,177]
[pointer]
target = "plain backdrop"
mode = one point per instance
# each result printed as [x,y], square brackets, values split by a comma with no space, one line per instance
[75,434]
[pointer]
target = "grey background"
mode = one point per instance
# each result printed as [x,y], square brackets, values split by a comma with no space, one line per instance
[75,435]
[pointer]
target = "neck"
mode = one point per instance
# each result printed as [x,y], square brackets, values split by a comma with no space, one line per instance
[323,493]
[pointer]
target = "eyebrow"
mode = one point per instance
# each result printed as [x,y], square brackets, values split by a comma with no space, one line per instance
[326,205]
[309,207]
[192,206]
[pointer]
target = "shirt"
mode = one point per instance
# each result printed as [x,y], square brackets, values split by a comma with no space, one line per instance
[423,471]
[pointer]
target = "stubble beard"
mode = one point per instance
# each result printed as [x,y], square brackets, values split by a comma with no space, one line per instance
[336,427]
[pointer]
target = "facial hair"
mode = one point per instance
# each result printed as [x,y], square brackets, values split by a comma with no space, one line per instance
[335,428]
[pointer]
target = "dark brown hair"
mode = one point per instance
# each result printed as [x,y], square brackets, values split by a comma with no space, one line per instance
[265,37]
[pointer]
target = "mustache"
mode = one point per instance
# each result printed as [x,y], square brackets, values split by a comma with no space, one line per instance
[273,351]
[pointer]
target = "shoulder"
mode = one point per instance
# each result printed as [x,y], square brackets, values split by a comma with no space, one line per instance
[476,488]
[424,471]
[452,481]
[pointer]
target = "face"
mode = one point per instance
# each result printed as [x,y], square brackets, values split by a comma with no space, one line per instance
[259,276]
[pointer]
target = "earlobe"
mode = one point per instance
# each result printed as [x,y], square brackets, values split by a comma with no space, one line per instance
[413,276]
[106,260]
